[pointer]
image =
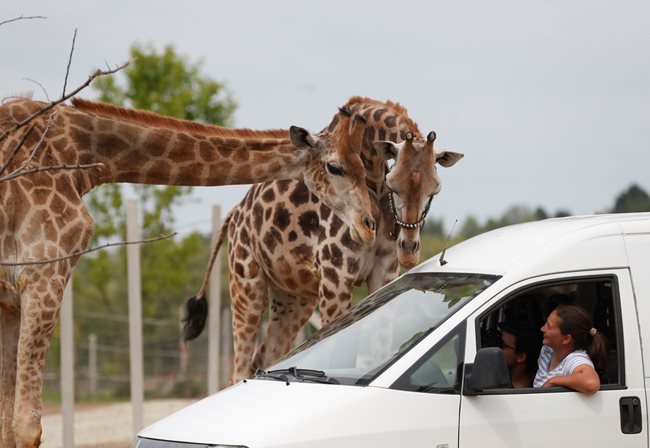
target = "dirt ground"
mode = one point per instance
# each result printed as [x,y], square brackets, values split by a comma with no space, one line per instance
[103,425]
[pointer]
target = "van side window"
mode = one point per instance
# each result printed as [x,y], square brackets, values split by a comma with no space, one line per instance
[523,313]
[439,370]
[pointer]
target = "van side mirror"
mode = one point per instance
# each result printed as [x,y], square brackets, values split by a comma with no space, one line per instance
[489,371]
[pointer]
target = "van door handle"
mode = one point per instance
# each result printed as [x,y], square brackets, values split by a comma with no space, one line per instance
[630,408]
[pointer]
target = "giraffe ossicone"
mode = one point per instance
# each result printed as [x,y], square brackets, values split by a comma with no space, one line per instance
[43,217]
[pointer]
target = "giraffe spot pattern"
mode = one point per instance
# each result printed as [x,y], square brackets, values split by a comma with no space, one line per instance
[332,275]
[353,265]
[268,195]
[302,252]
[281,217]
[258,213]
[348,242]
[300,194]
[244,237]
[337,256]
[309,223]
[325,212]
[327,255]
[239,269]
[283,186]
[335,226]
[327,293]
[378,114]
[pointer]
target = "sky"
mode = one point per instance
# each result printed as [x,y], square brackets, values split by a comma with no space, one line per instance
[549,100]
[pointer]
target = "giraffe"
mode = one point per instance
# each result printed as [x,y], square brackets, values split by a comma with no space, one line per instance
[42,215]
[277,260]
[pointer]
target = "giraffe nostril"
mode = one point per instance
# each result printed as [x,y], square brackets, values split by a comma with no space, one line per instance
[409,246]
[369,223]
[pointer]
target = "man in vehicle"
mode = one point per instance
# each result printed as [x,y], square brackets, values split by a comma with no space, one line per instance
[520,344]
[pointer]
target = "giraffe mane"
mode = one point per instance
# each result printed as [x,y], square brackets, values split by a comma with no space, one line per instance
[397,107]
[148,118]
[21,96]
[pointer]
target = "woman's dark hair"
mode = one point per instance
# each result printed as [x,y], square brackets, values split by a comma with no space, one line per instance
[575,320]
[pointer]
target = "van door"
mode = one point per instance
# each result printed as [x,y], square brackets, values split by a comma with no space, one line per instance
[530,417]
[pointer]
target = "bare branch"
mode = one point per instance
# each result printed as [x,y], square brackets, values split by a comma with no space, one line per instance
[34,150]
[52,104]
[22,17]
[40,85]
[67,70]
[77,166]
[93,249]
[15,151]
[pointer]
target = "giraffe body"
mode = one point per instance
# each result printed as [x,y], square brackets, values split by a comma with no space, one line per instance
[43,217]
[288,250]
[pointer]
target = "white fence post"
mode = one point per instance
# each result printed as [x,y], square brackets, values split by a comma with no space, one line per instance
[226,344]
[135,314]
[214,308]
[67,366]
[92,364]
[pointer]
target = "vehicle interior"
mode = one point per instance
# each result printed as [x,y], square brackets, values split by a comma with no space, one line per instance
[531,306]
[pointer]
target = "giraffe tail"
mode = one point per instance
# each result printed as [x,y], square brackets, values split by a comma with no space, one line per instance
[196,307]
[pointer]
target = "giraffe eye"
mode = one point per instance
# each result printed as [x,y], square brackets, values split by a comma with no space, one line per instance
[334,170]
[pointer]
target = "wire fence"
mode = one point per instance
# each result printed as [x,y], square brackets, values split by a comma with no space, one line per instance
[172,369]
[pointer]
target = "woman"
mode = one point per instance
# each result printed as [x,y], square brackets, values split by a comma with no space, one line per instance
[573,350]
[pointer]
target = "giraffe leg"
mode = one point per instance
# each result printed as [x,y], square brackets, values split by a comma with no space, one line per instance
[40,302]
[10,325]
[287,315]
[248,300]
[40,306]
[335,298]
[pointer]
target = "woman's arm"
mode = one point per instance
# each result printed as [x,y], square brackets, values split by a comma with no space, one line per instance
[583,379]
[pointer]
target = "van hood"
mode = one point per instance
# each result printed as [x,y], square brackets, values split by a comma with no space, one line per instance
[264,413]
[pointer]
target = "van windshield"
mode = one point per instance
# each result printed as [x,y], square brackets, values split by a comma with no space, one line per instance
[363,342]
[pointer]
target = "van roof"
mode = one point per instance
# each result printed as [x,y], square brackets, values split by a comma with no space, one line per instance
[543,247]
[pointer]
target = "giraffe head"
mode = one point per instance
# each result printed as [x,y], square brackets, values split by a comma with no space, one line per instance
[338,176]
[412,182]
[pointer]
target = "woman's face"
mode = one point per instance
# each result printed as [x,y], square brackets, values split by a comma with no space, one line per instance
[553,337]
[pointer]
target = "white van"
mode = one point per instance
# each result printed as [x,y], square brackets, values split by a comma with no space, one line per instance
[411,365]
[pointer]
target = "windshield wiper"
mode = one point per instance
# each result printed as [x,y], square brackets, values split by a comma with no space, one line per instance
[302,375]
[272,375]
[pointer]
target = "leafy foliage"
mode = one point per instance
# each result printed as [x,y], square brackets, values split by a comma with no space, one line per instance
[634,199]
[168,84]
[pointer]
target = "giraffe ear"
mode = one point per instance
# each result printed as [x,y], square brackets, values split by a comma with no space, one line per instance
[301,138]
[448,158]
[387,148]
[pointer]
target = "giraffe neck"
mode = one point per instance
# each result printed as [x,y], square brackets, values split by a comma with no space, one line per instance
[173,152]
[386,121]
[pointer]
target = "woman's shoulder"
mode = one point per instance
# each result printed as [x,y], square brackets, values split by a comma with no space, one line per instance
[576,358]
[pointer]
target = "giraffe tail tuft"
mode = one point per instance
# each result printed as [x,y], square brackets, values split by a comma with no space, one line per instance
[196,308]
[194,318]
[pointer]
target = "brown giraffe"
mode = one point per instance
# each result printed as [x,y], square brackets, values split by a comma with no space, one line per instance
[42,215]
[296,254]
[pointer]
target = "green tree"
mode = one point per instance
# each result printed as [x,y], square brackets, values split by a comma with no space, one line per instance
[634,199]
[168,84]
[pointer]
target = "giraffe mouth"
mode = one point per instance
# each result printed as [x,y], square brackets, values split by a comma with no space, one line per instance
[408,259]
